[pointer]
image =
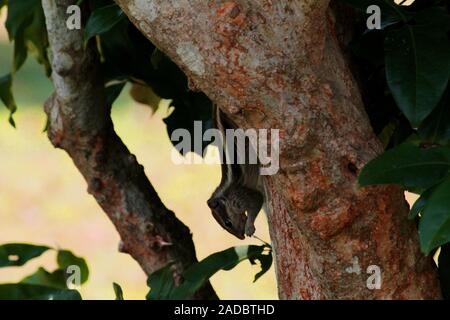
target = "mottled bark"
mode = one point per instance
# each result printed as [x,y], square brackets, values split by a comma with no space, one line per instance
[80,123]
[279,64]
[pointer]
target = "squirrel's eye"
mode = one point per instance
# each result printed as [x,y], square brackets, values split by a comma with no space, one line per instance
[228,224]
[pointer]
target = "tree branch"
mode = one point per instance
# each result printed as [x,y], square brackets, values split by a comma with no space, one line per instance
[279,64]
[80,123]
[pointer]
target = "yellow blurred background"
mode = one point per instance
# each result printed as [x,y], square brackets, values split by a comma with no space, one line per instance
[43,197]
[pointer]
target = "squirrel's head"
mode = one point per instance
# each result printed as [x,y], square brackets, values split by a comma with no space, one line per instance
[233,222]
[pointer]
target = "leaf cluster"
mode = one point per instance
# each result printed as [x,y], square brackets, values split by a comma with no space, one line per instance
[405,72]
[42,284]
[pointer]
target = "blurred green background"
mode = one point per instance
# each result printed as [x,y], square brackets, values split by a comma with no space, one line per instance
[43,197]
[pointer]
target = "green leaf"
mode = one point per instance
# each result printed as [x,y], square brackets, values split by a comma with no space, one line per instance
[20,14]
[22,291]
[20,52]
[97,4]
[17,254]
[66,258]
[118,291]
[35,35]
[103,20]
[26,26]
[434,226]
[7,97]
[436,127]
[128,55]
[420,204]
[385,136]
[265,261]
[195,276]
[199,273]
[113,91]
[416,75]
[407,165]
[193,107]
[161,284]
[42,277]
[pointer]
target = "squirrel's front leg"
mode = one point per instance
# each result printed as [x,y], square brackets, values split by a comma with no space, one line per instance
[250,224]
[254,205]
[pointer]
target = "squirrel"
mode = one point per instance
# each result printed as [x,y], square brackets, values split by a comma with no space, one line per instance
[237,200]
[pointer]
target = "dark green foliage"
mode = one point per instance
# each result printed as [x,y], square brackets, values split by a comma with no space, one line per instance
[56,279]
[410,80]
[113,91]
[103,20]
[408,165]
[118,291]
[46,285]
[128,56]
[407,76]
[42,284]
[416,75]
[6,96]
[23,291]
[420,204]
[161,281]
[26,27]
[161,284]
[66,258]
[435,128]
[434,225]
[17,254]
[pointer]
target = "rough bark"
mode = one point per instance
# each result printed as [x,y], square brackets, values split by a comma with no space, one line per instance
[80,123]
[278,64]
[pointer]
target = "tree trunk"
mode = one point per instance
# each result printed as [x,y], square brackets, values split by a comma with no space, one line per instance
[278,65]
[80,123]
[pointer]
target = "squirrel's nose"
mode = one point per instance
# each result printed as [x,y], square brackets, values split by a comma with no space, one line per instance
[213,203]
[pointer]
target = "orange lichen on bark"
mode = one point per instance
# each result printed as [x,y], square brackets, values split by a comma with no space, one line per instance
[232,13]
[228,23]
[331,218]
